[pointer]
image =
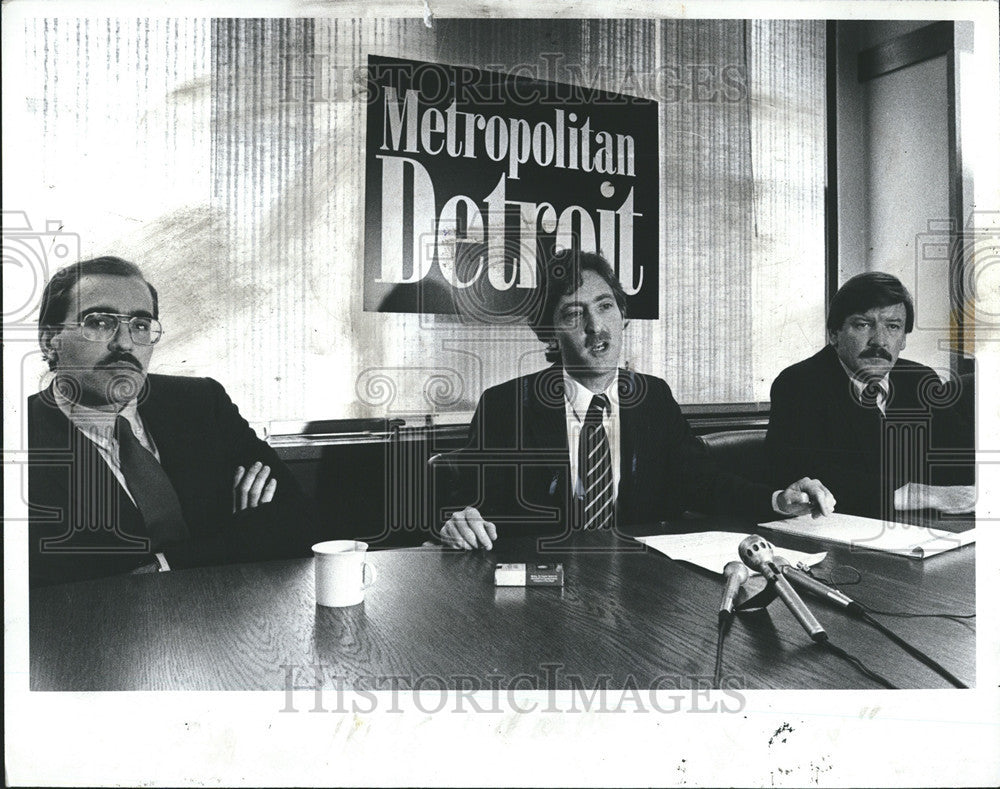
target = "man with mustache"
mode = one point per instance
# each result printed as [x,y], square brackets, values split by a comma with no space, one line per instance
[132,472]
[586,445]
[861,417]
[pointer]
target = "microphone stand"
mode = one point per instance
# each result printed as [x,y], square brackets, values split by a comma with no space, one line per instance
[758,554]
[858,611]
[770,592]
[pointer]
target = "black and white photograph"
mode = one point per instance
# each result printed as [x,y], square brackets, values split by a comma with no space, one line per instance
[451,394]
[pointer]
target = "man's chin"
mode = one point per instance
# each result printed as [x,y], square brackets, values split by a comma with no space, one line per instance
[873,368]
[125,385]
[119,385]
[593,368]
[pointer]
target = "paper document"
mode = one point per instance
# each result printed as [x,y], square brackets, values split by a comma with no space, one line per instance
[712,550]
[917,542]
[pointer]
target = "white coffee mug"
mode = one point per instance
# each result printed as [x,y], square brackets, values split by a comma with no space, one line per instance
[342,574]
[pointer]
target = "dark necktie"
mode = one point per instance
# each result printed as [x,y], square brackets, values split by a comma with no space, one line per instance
[150,487]
[598,506]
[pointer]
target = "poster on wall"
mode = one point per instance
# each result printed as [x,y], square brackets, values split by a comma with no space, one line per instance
[474,178]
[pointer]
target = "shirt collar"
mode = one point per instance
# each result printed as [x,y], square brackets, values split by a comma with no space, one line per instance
[859,384]
[578,396]
[98,425]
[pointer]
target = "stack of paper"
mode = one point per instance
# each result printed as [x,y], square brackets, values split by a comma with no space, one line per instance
[713,549]
[917,542]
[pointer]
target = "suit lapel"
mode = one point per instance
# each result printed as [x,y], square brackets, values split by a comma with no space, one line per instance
[50,436]
[543,407]
[839,381]
[154,421]
[48,426]
[52,432]
[852,419]
[173,442]
[543,411]
[629,403]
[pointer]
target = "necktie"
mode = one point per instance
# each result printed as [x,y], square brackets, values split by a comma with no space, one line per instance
[598,506]
[873,395]
[150,487]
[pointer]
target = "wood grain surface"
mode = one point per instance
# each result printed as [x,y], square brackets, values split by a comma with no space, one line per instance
[626,617]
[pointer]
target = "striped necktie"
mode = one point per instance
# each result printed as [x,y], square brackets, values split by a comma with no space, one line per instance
[154,496]
[872,394]
[596,475]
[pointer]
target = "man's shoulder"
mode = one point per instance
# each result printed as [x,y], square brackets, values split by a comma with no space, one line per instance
[46,424]
[541,385]
[818,367]
[825,357]
[910,367]
[918,380]
[181,386]
[629,378]
[41,399]
[43,403]
[180,381]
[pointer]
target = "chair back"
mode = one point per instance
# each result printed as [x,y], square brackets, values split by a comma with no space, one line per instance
[739,452]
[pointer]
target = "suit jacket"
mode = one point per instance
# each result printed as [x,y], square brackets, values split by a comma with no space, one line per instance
[819,428]
[83,525]
[516,469]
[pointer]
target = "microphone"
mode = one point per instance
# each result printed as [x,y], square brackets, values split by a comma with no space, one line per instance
[758,554]
[736,575]
[809,584]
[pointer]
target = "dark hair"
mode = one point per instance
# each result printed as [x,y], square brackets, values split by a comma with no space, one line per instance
[863,292]
[562,275]
[55,297]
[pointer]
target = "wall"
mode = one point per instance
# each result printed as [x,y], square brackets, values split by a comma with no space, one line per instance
[893,175]
[185,145]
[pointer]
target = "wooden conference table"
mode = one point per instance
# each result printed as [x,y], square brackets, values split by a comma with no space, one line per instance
[627,617]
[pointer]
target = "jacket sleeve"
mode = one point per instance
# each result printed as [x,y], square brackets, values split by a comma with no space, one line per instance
[795,449]
[461,477]
[286,527]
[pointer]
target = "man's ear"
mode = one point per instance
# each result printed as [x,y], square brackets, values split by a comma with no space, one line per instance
[50,350]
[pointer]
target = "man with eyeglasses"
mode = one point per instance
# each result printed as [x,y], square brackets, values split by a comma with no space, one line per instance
[132,472]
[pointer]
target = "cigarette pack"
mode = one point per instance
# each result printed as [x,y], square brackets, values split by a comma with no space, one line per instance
[518,574]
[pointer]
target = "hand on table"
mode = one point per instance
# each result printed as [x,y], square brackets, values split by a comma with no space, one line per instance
[806,495]
[948,499]
[467,530]
[251,487]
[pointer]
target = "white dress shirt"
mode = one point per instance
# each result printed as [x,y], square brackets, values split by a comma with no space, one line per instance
[99,427]
[859,387]
[578,399]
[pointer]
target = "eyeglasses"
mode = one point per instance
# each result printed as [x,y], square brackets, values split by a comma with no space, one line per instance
[103,327]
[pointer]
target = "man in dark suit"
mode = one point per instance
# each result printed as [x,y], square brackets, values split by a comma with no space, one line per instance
[583,444]
[134,472]
[862,418]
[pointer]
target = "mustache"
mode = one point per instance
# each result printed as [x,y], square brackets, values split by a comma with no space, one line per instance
[595,339]
[120,357]
[875,352]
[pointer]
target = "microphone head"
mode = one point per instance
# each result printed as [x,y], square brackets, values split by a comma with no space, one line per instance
[737,570]
[756,552]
